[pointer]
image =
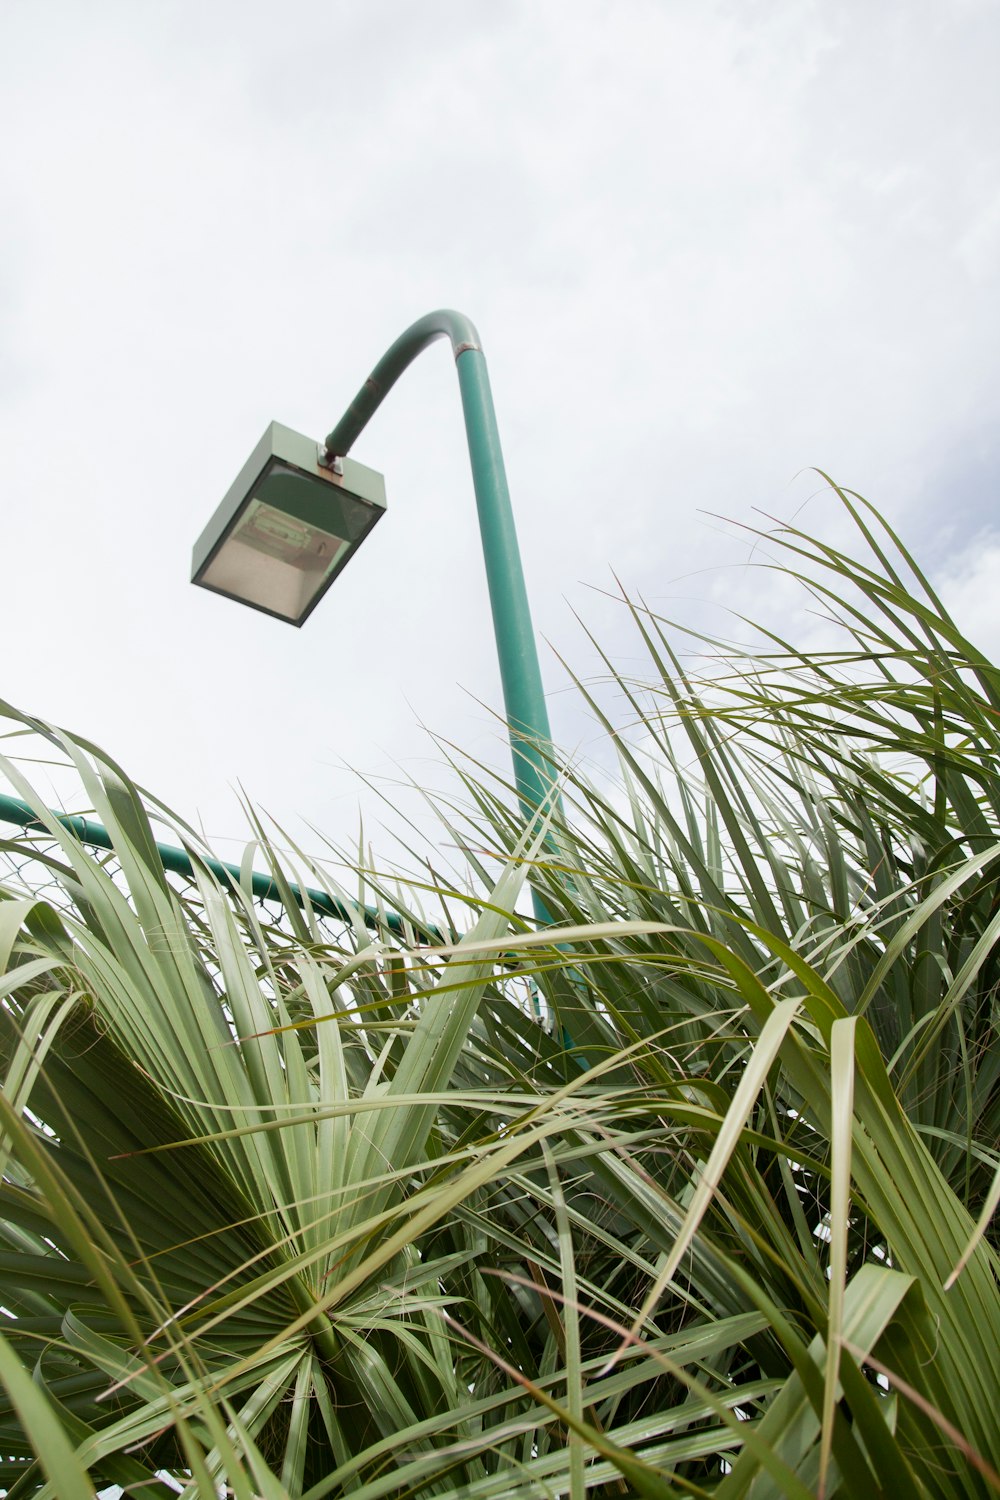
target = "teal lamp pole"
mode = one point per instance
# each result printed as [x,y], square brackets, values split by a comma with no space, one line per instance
[296,514]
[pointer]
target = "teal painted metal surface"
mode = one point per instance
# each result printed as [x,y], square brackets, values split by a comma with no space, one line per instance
[263,886]
[520,674]
[443,324]
[524,698]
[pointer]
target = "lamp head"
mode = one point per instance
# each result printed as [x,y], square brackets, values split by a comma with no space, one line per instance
[287,526]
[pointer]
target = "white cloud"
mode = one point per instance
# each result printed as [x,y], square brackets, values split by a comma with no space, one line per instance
[970,591]
[706,247]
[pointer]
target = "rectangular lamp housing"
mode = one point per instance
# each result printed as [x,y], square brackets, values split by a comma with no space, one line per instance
[287,527]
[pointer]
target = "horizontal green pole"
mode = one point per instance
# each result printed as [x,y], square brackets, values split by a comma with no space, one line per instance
[263,886]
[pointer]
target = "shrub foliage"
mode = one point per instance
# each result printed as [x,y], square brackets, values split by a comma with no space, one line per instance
[686,1193]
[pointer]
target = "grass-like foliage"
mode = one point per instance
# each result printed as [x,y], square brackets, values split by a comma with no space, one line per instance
[688,1193]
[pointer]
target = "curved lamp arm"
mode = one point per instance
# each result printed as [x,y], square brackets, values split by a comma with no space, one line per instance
[443,324]
[520,675]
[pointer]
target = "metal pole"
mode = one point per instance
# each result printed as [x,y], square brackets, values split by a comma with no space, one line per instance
[262,885]
[520,674]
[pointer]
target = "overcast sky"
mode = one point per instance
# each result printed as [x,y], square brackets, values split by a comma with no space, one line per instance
[707,246]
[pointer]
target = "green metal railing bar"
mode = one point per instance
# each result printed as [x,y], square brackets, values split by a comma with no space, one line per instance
[263,886]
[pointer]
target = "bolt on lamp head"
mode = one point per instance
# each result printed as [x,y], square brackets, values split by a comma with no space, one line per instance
[287,526]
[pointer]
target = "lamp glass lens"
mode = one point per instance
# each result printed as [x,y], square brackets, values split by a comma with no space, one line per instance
[274,560]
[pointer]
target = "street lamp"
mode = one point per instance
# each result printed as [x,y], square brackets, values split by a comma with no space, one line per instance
[299,511]
[287,527]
